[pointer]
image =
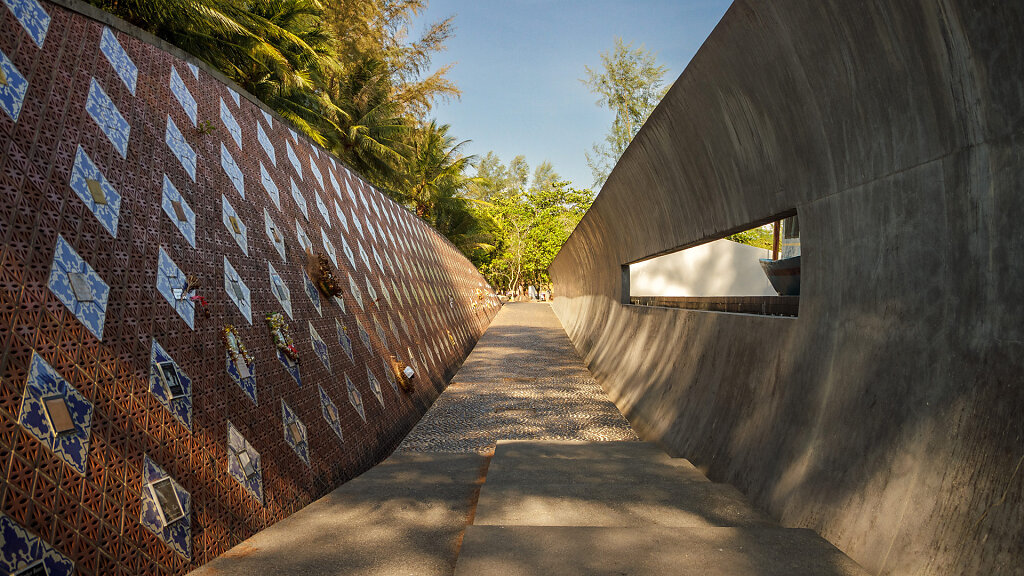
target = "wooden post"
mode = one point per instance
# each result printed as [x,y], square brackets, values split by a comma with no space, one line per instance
[775,240]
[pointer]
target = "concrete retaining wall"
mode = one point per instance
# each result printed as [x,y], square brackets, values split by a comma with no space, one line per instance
[888,415]
[88,98]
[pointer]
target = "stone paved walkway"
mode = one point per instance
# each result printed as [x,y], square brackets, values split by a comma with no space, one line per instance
[523,381]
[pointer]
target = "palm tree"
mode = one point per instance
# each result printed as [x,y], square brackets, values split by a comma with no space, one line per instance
[435,170]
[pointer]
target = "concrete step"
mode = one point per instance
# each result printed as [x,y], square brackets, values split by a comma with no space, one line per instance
[639,469]
[650,550]
[580,450]
[671,503]
[403,517]
[403,468]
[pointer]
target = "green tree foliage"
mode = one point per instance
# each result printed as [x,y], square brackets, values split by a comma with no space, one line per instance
[629,84]
[760,237]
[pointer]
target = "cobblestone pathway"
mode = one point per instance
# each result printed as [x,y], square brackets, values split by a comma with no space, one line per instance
[522,381]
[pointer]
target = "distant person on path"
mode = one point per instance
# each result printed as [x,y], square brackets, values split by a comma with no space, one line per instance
[533,292]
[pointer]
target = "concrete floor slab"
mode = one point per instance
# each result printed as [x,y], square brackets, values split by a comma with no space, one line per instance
[579,450]
[426,468]
[525,470]
[677,504]
[649,551]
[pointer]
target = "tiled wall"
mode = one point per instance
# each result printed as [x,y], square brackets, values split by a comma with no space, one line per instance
[124,170]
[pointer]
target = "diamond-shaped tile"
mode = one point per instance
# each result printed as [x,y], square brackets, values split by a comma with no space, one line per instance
[270,186]
[102,110]
[319,347]
[390,376]
[182,150]
[66,262]
[234,225]
[244,375]
[329,247]
[234,96]
[293,158]
[356,293]
[184,97]
[354,397]
[268,118]
[304,242]
[312,292]
[169,384]
[166,508]
[12,88]
[244,463]
[322,207]
[341,215]
[237,291]
[193,69]
[178,210]
[232,170]
[274,233]
[344,340]
[364,336]
[56,414]
[22,552]
[265,142]
[280,289]
[316,171]
[32,17]
[294,432]
[300,200]
[170,282]
[330,412]
[290,366]
[119,59]
[334,181]
[375,386]
[230,123]
[98,194]
[348,253]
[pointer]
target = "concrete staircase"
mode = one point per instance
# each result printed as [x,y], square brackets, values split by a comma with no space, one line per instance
[625,508]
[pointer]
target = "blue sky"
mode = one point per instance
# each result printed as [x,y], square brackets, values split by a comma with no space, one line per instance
[518,64]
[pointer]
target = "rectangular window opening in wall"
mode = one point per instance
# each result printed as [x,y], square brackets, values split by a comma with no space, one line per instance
[753,271]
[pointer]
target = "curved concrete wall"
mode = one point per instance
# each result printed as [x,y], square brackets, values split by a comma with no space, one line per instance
[102,130]
[888,415]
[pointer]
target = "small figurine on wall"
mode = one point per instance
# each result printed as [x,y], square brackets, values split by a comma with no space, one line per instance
[322,274]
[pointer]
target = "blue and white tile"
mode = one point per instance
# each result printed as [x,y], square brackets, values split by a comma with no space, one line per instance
[193,69]
[187,227]
[270,186]
[268,117]
[91,313]
[370,291]
[354,397]
[231,124]
[231,169]
[316,171]
[119,59]
[177,535]
[301,444]
[363,255]
[266,144]
[280,289]
[295,137]
[290,366]
[376,258]
[293,158]
[312,292]
[234,96]
[236,445]
[227,213]
[84,170]
[344,340]
[12,93]
[319,347]
[381,334]
[375,386]
[182,150]
[348,253]
[356,292]
[322,208]
[32,17]
[180,407]
[304,242]
[21,549]
[274,233]
[315,152]
[334,181]
[341,215]
[44,382]
[340,303]
[330,411]
[300,200]
[329,247]
[358,223]
[170,282]
[364,336]
[390,376]
[101,108]
[248,383]
[237,291]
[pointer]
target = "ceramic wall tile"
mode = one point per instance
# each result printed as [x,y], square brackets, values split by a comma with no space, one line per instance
[244,463]
[12,92]
[163,500]
[22,552]
[56,414]
[232,170]
[108,117]
[179,211]
[235,226]
[330,413]
[294,432]
[32,17]
[96,191]
[171,283]
[266,144]
[119,59]
[355,398]
[184,96]
[170,385]
[237,291]
[77,285]
[182,150]
[231,124]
